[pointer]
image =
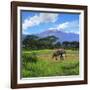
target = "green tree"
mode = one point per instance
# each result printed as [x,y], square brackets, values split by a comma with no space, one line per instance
[30,42]
[58,45]
[34,42]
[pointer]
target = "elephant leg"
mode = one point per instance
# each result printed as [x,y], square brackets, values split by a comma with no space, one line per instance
[61,57]
[56,58]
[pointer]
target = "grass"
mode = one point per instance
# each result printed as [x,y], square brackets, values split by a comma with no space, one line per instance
[39,63]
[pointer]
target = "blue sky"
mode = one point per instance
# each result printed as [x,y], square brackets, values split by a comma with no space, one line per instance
[36,22]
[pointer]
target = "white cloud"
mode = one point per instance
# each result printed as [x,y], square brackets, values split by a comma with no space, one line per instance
[51,28]
[63,25]
[48,17]
[68,27]
[60,26]
[38,19]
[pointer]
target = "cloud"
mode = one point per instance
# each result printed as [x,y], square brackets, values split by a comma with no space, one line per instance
[68,27]
[38,19]
[63,25]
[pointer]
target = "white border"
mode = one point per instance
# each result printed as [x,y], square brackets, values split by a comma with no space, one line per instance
[55,78]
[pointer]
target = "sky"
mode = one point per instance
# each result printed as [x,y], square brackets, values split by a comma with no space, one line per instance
[37,22]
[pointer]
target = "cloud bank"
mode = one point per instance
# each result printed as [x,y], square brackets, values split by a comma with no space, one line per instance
[68,26]
[38,19]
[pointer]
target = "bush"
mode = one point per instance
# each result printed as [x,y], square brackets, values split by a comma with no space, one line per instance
[71,68]
[32,58]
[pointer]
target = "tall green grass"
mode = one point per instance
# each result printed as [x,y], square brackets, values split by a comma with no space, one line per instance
[40,64]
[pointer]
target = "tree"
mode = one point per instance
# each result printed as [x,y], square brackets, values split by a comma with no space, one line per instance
[47,42]
[71,45]
[34,42]
[75,45]
[66,44]
[57,45]
[30,41]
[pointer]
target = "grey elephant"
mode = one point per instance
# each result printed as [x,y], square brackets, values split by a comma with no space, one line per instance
[61,53]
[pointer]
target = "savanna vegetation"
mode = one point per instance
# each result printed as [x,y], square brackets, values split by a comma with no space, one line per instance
[32,42]
[37,58]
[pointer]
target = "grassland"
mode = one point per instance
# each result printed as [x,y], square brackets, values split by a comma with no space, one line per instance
[39,63]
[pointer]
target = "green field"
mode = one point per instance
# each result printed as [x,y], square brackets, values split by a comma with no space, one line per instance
[39,63]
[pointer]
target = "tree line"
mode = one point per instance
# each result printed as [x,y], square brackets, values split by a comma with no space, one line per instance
[33,42]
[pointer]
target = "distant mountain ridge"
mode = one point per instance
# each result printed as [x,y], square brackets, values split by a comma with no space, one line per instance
[62,36]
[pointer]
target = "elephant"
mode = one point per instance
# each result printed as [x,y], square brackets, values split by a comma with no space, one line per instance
[59,53]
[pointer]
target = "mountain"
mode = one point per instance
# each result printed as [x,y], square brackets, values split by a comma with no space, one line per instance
[62,36]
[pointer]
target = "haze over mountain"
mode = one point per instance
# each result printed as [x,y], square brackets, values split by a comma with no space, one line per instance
[61,35]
